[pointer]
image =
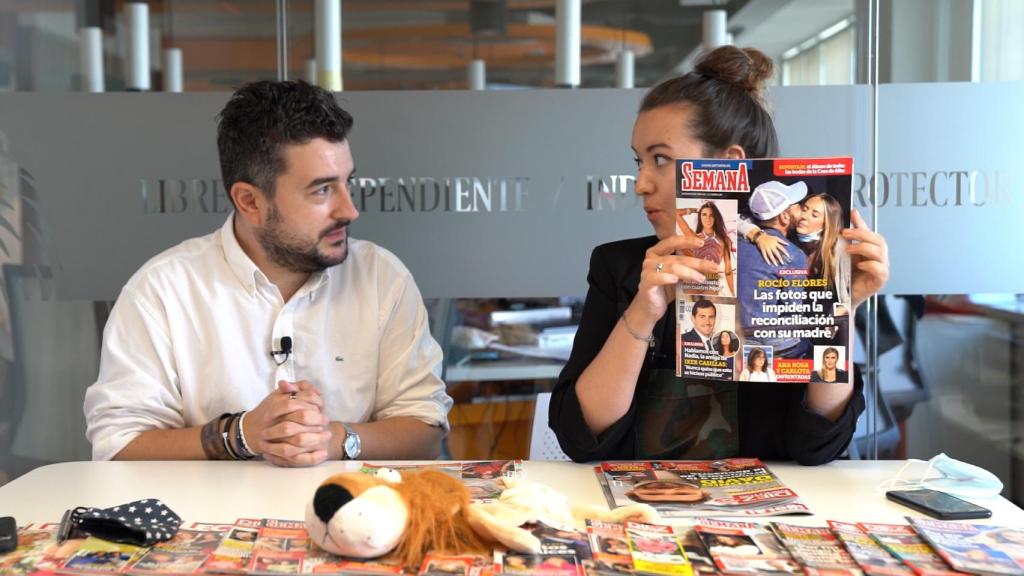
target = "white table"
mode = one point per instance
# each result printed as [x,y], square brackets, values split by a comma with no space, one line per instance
[225,491]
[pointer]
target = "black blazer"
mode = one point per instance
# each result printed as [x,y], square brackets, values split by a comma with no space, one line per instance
[774,422]
[688,336]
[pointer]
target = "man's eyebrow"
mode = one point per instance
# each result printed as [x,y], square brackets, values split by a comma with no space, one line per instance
[321,181]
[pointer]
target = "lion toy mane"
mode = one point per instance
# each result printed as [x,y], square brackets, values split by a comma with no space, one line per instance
[408,514]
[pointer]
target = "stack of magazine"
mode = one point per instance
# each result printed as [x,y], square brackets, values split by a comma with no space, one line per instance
[678,488]
[247,546]
[710,546]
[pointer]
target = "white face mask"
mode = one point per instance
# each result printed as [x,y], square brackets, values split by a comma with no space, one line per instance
[812,237]
[955,477]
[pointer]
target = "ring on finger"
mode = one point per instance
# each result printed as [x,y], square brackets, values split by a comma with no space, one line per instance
[658,267]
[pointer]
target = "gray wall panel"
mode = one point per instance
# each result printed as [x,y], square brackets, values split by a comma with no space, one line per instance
[90,154]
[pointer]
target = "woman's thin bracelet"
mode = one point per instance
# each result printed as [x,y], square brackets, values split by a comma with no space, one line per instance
[634,334]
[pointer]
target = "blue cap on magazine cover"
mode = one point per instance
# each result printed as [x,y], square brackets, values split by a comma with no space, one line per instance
[770,198]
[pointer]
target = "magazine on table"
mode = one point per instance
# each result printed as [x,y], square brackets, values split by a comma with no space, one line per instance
[281,547]
[974,548]
[816,549]
[869,554]
[656,550]
[186,553]
[536,564]
[904,543]
[481,477]
[679,488]
[609,547]
[778,307]
[98,556]
[38,550]
[696,552]
[744,547]
[234,553]
[562,552]
[436,564]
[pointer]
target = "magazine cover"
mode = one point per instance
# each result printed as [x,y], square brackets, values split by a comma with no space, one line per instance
[976,548]
[562,551]
[729,487]
[52,556]
[233,554]
[609,549]
[280,547]
[656,550]
[902,542]
[480,477]
[744,548]
[560,541]
[97,556]
[536,564]
[320,562]
[184,554]
[816,549]
[33,547]
[695,550]
[869,555]
[778,308]
[448,565]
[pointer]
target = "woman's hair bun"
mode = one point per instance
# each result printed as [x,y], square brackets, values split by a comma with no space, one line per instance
[746,68]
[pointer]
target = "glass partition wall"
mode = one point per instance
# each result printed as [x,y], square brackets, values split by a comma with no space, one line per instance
[914,84]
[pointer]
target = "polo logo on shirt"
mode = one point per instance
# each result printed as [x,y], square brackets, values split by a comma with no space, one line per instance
[339,359]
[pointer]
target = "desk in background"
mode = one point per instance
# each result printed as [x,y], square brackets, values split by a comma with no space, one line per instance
[224,491]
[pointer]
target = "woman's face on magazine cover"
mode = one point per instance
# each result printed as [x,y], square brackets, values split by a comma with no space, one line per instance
[707,220]
[830,359]
[660,136]
[812,216]
[725,339]
[668,492]
[615,546]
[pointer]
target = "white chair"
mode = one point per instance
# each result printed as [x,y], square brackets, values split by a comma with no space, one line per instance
[543,443]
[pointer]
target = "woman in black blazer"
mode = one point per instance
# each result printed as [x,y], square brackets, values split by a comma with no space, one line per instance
[617,397]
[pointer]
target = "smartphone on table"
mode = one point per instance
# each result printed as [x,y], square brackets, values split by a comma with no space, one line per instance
[938,504]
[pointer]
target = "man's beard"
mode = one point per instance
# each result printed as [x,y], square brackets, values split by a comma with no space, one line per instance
[296,254]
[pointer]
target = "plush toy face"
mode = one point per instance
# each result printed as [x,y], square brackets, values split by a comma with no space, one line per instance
[356,515]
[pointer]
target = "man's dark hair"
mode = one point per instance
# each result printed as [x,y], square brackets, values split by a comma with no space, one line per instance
[703,304]
[263,117]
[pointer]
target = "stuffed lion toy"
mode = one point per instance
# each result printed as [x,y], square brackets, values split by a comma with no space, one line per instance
[412,513]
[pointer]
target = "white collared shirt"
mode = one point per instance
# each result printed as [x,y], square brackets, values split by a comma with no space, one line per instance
[191,333]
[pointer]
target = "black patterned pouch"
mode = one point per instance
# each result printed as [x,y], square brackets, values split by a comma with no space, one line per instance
[142,523]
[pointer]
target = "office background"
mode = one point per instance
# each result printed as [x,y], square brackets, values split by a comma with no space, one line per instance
[494,197]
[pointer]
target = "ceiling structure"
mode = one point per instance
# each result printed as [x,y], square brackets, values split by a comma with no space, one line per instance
[408,44]
[427,44]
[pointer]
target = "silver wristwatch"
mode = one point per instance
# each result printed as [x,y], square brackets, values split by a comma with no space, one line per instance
[351,446]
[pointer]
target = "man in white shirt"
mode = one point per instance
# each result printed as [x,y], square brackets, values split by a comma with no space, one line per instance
[278,335]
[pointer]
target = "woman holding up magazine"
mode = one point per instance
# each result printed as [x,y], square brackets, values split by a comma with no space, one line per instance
[618,397]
